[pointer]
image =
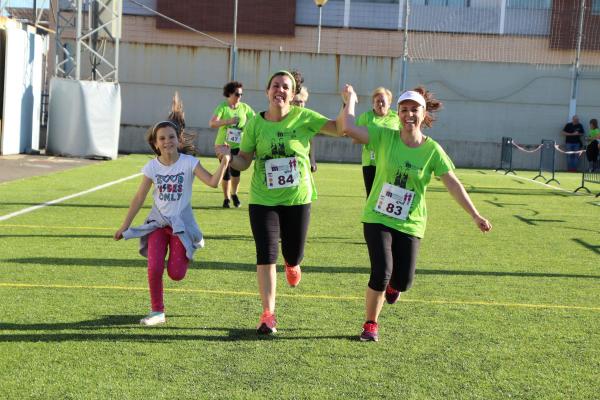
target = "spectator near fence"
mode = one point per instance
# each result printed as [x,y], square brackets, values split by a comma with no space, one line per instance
[573,131]
[594,133]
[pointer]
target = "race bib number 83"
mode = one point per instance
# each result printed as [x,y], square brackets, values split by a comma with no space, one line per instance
[394,201]
[282,172]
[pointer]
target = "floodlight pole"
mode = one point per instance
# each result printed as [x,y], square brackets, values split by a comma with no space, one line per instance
[575,84]
[320,4]
[405,48]
[234,54]
[319,31]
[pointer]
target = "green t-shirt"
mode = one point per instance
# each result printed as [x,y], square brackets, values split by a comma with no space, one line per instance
[243,111]
[594,134]
[369,118]
[274,141]
[406,167]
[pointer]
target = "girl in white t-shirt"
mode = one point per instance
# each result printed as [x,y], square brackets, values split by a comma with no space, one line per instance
[170,224]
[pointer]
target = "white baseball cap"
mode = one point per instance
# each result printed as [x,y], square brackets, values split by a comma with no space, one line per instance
[414,96]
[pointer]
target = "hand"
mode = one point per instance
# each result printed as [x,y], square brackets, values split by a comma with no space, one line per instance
[348,94]
[482,223]
[313,167]
[234,121]
[223,150]
[119,234]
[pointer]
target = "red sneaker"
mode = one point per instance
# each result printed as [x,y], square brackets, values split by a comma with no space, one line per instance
[267,324]
[293,274]
[391,295]
[370,332]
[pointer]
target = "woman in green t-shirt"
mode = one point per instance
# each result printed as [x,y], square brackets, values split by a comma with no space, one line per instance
[594,132]
[395,215]
[230,117]
[380,115]
[282,186]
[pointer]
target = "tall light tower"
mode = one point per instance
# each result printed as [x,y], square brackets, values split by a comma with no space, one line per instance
[320,4]
[93,25]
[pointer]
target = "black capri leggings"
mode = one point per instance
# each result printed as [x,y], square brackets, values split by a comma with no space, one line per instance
[269,223]
[369,176]
[229,172]
[393,256]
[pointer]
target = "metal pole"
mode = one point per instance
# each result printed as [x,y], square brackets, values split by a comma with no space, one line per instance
[319,30]
[78,40]
[405,49]
[234,45]
[575,85]
[34,12]
[95,23]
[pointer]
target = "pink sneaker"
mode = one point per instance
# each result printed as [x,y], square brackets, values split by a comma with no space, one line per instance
[293,274]
[267,324]
[391,295]
[370,332]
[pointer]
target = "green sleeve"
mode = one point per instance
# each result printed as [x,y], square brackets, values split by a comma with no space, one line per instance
[444,164]
[248,144]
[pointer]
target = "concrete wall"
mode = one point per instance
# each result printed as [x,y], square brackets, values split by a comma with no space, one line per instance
[483,101]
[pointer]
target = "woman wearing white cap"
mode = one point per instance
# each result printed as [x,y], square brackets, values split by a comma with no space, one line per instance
[395,215]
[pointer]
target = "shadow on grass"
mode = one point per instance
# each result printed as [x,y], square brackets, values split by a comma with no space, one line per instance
[241,238]
[71,236]
[162,333]
[513,191]
[589,246]
[225,266]
[537,221]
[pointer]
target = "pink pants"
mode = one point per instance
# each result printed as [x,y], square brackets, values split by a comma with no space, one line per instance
[177,265]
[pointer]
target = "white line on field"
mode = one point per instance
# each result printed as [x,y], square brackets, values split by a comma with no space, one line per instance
[544,184]
[51,202]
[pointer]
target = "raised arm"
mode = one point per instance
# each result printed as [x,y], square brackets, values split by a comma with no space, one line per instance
[213,180]
[136,204]
[216,122]
[346,120]
[461,196]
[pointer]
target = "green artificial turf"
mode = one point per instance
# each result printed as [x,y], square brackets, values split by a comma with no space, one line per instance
[510,314]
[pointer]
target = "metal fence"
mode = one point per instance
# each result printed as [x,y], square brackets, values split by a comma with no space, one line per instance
[547,163]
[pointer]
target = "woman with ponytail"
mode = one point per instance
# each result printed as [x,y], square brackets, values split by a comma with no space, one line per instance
[395,215]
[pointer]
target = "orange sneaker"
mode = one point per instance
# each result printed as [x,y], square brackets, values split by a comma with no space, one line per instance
[293,274]
[267,324]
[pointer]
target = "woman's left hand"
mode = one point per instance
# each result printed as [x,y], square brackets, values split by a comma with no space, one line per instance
[483,224]
[223,150]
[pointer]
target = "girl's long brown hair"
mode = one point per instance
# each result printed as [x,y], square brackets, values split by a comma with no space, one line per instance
[176,120]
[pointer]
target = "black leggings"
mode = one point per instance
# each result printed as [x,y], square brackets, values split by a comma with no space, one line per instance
[368,177]
[266,222]
[393,256]
[229,172]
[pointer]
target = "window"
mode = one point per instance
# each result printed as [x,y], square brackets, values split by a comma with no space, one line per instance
[530,4]
[595,7]
[448,3]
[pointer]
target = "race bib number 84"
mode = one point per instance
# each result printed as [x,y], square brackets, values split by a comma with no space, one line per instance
[282,172]
[394,201]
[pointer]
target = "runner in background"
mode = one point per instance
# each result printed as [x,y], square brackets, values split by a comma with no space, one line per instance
[300,100]
[380,115]
[230,117]
[395,215]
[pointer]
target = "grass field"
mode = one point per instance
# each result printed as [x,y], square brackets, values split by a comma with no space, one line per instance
[511,314]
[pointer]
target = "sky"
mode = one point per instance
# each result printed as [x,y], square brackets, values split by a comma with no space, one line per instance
[24,3]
